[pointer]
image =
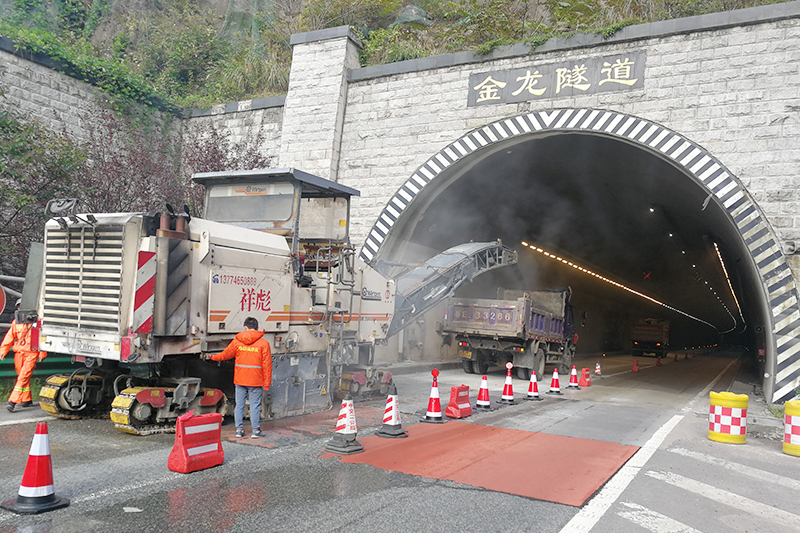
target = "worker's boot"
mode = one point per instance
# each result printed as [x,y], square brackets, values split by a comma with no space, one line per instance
[10,407]
[26,404]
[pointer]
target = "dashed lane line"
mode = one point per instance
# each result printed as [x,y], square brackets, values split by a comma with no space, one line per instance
[740,503]
[653,521]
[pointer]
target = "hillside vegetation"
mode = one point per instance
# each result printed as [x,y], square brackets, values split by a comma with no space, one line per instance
[200,52]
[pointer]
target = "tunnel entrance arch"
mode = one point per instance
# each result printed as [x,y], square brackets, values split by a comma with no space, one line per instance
[781,314]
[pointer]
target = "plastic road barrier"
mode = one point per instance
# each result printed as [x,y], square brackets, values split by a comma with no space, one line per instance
[791,436]
[198,443]
[727,417]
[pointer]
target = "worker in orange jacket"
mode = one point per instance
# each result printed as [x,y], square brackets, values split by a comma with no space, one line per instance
[25,359]
[252,370]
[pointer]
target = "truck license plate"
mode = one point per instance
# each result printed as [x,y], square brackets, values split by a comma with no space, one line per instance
[465,353]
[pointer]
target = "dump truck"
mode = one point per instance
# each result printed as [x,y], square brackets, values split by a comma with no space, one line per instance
[650,336]
[530,329]
[141,300]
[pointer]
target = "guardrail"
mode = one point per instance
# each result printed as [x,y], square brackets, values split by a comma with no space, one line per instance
[54,364]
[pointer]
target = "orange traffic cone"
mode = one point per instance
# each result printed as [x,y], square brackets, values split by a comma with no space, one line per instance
[555,387]
[635,365]
[658,361]
[36,492]
[676,357]
[573,379]
[344,440]
[434,413]
[597,369]
[533,388]
[392,429]
[483,396]
[508,388]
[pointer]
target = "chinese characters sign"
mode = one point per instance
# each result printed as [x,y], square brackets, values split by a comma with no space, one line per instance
[584,76]
[234,296]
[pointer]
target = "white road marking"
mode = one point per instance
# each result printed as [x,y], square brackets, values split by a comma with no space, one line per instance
[591,513]
[26,421]
[740,468]
[740,503]
[653,521]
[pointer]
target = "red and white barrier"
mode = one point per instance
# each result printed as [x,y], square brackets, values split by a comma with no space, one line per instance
[198,443]
[459,403]
[586,379]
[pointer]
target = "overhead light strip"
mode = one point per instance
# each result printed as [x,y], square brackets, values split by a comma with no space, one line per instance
[728,279]
[612,282]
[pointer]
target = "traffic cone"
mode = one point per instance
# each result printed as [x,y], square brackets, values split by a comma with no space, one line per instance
[483,396]
[597,369]
[573,379]
[533,388]
[36,492]
[635,365]
[508,388]
[434,413]
[555,387]
[344,440]
[392,429]
[658,361]
[676,357]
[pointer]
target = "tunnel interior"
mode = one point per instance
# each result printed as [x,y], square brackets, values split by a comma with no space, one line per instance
[609,206]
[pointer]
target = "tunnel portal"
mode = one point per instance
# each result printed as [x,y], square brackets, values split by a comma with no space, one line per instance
[621,197]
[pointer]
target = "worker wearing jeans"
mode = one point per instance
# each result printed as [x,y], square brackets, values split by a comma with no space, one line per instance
[252,370]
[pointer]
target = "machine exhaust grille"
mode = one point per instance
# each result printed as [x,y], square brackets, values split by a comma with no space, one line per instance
[83,277]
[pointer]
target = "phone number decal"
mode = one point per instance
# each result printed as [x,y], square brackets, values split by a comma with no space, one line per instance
[230,279]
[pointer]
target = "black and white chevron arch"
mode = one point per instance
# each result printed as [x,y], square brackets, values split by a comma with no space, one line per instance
[702,166]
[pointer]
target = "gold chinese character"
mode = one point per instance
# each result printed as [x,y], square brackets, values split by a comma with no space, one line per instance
[619,72]
[528,81]
[487,89]
[571,78]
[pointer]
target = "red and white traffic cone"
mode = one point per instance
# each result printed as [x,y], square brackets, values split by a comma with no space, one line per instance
[573,379]
[555,387]
[344,440]
[658,361]
[635,365]
[533,388]
[36,492]
[508,389]
[483,396]
[434,413]
[597,369]
[676,357]
[392,429]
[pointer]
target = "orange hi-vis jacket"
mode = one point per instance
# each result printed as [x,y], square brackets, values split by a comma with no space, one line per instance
[253,364]
[19,337]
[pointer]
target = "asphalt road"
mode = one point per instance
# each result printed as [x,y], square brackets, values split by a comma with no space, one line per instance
[677,481]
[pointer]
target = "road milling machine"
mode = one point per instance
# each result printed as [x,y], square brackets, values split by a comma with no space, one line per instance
[140,300]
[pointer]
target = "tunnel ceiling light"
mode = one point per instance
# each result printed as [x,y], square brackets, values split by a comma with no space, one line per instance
[728,279]
[612,282]
[652,209]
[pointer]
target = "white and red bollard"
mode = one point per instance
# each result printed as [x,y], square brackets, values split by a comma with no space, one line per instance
[434,412]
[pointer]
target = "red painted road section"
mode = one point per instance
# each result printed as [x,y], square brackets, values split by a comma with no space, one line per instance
[546,467]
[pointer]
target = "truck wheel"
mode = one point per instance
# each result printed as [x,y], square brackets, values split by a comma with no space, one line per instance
[466,364]
[480,366]
[538,364]
[565,366]
[524,373]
